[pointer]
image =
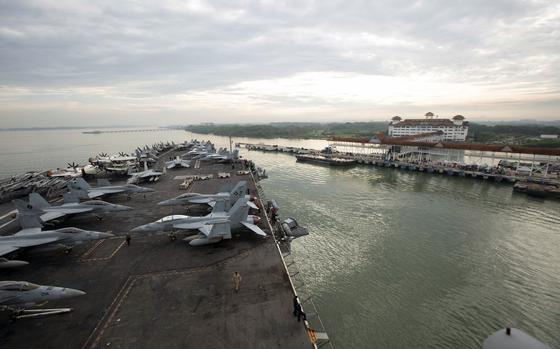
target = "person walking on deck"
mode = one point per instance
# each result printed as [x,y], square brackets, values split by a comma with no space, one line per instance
[236,281]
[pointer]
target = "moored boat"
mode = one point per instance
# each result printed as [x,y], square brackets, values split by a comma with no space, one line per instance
[538,189]
[325,160]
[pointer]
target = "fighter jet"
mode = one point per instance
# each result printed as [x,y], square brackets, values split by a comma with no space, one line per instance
[71,206]
[177,162]
[146,155]
[147,175]
[32,236]
[104,188]
[213,227]
[18,296]
[200,150]
[222,156]
[231,196]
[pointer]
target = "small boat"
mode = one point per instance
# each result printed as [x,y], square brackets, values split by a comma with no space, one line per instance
[538,189]
[292,230]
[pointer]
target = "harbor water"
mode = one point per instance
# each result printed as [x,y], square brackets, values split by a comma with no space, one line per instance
[395,259]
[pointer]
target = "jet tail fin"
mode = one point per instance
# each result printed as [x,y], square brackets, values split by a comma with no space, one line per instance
[239,211]
[238,191]
[36,200]
[29,216]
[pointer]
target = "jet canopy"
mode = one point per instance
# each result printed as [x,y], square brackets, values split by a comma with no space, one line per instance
[70,230]
[17,286]
[171,218]
[95,203]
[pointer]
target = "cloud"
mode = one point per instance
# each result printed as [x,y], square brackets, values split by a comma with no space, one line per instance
[175,60]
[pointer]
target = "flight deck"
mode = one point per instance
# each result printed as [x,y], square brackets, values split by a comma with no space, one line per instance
[159,292]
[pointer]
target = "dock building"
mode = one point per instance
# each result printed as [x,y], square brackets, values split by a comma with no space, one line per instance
[454,129]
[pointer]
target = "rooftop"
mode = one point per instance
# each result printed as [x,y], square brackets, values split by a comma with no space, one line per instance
[425,122]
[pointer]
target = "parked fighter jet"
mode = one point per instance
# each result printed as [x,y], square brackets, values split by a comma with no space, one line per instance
[18,296]
[222,156]
[200,150]
[146,154]
[72,205]
[237,192]
[213,227]
[104,188]
[177,162]
[147,175]
[32,236]
[185,145]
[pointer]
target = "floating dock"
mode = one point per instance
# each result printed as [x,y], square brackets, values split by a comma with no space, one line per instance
[158,293]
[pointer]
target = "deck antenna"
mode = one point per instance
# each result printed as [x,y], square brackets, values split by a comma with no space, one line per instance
[230,151]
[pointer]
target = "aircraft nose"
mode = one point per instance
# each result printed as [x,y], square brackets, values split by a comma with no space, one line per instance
[125,208]
[70,292]
[165,203]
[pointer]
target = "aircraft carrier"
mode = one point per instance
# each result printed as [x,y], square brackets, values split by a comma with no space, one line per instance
[159,293]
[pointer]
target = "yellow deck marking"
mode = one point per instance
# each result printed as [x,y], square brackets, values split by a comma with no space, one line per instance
[90,251]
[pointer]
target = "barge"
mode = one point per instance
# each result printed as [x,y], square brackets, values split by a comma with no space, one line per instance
[538,189]
[319,159]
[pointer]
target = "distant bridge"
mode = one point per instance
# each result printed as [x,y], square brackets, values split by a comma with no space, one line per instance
[94,132]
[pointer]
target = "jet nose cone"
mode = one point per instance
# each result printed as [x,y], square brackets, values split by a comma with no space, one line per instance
[70,292]
[163,203]
[148,190]
[125,208]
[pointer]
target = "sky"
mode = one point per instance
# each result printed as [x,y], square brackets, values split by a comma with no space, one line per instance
[72,63]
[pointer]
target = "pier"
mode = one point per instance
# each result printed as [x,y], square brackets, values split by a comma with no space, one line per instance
[440,158]
[158,293]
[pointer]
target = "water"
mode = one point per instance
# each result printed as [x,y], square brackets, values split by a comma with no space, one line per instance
[395,259]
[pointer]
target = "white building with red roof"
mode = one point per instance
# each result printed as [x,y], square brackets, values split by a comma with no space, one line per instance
[454,129]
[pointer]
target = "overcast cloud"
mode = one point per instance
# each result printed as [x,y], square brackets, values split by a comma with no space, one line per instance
[168,62]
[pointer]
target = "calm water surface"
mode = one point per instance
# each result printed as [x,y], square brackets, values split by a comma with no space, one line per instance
[394,259]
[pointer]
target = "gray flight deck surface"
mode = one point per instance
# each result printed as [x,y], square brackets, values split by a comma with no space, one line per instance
[158,293]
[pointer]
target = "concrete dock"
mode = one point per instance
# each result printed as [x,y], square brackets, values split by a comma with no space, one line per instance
[158,293]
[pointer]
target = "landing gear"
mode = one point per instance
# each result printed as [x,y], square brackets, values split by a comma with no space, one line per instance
[129,197]
[172,236]
[99,218]
[68,250]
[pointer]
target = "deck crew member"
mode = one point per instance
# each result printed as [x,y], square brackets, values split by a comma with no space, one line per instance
[236,281]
